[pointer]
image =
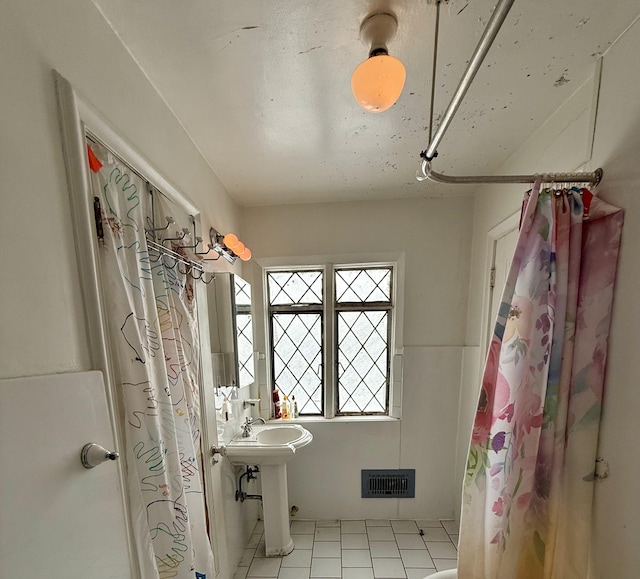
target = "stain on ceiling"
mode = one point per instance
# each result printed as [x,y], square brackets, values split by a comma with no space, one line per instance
[263,88]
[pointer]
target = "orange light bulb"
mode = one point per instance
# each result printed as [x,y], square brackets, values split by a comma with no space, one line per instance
[377,82]
[245,255]
[239,248]
[230,240]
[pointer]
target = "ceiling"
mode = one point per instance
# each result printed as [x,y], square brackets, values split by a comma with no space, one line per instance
[263,88]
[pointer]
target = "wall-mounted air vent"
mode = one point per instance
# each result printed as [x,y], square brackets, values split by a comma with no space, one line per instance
[389,484]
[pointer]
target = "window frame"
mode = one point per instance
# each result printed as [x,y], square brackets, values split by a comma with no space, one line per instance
[395,262]
[360,307]
[296,309]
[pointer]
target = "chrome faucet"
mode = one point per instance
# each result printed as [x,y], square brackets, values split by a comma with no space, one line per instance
[246,427]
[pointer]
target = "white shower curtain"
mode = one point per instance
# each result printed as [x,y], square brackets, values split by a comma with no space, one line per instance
[151,313]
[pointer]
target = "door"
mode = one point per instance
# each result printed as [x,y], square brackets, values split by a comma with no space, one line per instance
[58,519]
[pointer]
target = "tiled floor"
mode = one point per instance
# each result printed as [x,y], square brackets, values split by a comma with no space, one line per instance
[371,549]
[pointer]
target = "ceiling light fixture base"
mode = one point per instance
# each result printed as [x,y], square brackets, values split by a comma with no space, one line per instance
[377,30]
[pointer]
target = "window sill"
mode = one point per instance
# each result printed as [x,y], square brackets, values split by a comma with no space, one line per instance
[320,419]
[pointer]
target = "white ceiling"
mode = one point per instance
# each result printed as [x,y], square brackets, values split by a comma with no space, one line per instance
[263,88]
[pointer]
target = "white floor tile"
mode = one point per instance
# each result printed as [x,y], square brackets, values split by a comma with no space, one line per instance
[415,558]
[293,573]
[327,534]
[328,523]
[388,568]
[378,523]
[259,528]
[264,567]
[357,573]
[442,550]
[433,534]
[404,526]
[326,549]
[356,558]
[247,557]
[442,564]
[387,549]
[355,541]
[451,527]
[325,567]
[419,573]
[407,541]
[423,523]
[302,541]
[303,527]
[353,527]
[380,534]
[298,558]
[371,549]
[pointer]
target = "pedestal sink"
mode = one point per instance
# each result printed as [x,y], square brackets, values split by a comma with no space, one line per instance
[271,446]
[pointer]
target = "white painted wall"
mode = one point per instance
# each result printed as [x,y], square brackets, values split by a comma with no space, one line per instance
[435,236]
[42,324]
[561,145]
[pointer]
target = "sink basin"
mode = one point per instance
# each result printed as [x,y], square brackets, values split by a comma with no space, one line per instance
[279,435]
[268,444]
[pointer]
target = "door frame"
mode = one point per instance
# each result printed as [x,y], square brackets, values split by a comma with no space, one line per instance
[494,234]
[76,116]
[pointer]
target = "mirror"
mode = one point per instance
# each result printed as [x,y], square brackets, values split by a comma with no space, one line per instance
[231,326]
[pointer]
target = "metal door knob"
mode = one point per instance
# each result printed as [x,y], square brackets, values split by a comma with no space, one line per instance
[93,454]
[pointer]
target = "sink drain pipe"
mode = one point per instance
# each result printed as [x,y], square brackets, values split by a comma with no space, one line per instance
[250,473]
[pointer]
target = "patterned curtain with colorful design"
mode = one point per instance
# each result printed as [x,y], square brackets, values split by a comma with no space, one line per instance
[151,314]
[528,489]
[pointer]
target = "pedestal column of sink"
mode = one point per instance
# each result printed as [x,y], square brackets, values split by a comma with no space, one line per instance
[275,506]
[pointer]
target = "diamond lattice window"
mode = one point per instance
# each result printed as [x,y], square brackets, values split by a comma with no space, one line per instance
[244,331]
[363,305]
[295,303]
[359,343]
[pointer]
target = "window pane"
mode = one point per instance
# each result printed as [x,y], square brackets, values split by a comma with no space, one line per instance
[245,349]
[295,287]
[363,285]
[297,358]
[242,291]
[362,361]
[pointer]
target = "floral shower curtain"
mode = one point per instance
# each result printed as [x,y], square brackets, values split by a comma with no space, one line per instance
[529,482]
[152,320]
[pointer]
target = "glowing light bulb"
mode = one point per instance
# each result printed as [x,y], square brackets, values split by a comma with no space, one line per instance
[245,255]
[230,240]
[239,248]
[377,82]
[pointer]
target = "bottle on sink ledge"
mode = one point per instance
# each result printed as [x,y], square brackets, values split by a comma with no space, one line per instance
[277,413]
[286,409]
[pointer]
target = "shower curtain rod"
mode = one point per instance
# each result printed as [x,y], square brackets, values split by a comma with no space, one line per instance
[426,172]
